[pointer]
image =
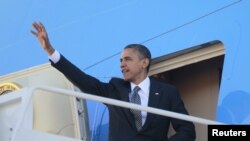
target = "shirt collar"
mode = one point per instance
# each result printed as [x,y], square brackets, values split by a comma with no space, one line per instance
[144,85]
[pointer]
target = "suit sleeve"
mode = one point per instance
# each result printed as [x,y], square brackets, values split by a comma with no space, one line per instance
[83,81]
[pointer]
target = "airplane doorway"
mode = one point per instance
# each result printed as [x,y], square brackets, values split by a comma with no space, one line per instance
[196,72]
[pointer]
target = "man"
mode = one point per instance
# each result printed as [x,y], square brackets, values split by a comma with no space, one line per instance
[127,124]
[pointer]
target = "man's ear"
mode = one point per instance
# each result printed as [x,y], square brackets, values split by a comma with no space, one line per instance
[145,63]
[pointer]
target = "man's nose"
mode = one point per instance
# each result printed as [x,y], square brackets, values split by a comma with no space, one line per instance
[122,64]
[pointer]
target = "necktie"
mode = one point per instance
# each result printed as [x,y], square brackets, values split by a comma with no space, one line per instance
[135,98]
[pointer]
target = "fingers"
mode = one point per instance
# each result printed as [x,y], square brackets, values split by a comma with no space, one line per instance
[39,27]
[42,26]
[34,33]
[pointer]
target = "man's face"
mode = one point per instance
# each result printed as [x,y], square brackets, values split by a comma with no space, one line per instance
[132,66]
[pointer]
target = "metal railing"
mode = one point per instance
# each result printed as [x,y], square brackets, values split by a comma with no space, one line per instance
[32,90]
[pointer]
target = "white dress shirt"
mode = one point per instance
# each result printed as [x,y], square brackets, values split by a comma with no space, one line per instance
[144,95]
[55,57]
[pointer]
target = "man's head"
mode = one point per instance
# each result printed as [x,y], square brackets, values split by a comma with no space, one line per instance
[135,62]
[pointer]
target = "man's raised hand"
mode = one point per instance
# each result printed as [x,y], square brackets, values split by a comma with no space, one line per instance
[42,36]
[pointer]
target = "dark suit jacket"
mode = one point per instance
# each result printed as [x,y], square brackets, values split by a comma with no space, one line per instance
[121,123]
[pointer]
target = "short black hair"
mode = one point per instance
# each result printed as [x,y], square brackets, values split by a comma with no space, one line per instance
[142,50]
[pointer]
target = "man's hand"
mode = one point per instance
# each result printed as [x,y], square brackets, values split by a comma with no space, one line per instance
[42,36]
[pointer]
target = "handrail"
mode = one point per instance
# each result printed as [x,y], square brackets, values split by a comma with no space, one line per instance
[111,102]
[126,104]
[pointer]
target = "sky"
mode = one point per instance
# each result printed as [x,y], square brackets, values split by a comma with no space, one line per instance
[88,31]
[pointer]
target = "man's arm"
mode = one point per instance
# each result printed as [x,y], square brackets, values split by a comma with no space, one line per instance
[83,81]
[42,36]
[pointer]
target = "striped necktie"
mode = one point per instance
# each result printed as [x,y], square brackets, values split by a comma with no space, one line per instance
[135,98]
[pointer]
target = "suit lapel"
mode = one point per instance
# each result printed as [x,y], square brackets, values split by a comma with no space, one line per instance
[153,101]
